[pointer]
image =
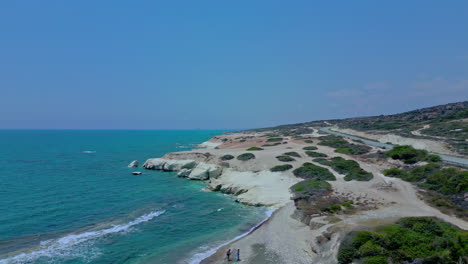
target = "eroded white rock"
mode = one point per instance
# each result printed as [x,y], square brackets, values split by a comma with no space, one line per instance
[205,171]
[133,164]
[184,173]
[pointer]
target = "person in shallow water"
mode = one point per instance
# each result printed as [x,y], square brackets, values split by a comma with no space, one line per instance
[228,255]
[238,255]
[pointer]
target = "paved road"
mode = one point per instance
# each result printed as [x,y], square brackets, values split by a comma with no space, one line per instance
[446,158]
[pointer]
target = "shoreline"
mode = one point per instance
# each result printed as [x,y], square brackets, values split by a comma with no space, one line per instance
[200,257]
[381,198]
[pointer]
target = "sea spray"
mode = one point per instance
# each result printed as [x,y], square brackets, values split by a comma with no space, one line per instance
[65,246]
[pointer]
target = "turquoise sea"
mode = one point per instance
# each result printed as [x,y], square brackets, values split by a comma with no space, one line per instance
[67,196]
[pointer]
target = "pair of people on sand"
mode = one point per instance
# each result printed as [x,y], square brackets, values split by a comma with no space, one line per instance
[228,255]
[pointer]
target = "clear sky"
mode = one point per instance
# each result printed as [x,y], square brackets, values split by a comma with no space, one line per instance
[225,64]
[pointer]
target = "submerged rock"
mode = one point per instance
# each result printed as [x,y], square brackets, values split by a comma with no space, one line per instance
[133,164]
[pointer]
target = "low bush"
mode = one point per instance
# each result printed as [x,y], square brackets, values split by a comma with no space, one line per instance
[293,154]
[285,158]
[226,157]
[410,155]
[315,154]
[254,149]
[246,156]
[275,139]
[432,176]
[310,148]
[421,239]
[349,167]
[343,146]
[359,175]
[284,167]
[308,141]
[311,171]
[271,145]
[310,187]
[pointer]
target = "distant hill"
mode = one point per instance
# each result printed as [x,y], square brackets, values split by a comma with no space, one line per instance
[448,123]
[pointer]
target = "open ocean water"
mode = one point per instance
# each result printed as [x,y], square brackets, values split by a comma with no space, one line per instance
[67,196]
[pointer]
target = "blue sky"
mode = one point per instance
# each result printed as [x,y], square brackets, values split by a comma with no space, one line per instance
[225,64]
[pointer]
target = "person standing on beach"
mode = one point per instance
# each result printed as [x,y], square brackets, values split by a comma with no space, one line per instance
[238,255]
[228,255]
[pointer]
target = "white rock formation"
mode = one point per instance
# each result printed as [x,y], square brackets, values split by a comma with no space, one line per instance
[177,165]
[168,165]
[184,173]
[205,171]
[154,164]
[133,164]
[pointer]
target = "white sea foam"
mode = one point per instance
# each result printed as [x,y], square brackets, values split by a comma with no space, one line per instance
[88,151]
[64,246]
[197,258]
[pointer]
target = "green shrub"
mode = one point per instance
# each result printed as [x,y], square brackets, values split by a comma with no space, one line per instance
[281,167]
[246,156]
[315,154]
[293,154]
[271,145]
[276,139]
[358,175]
[308,141]
[285,158]
[407,154]
[311,171]
[375,260]
[415,238]
[311,186]
[370,249]
[310,148]
[343,146]
[394,172]
[226,157]
[254,149]
[347,204]
[350,168]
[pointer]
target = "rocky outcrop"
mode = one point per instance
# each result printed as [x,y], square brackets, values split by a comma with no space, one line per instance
[184,173]
[168,165]
[205,171]
[186,168]
[133,164]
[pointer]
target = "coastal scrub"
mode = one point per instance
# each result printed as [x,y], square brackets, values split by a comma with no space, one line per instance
[311,171]
[254,149]
[246,156]
[283,167]
[421,239]
[285,158]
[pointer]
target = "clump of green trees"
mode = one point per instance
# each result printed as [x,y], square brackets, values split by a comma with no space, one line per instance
[432,176]
[311,171]
[350,168]
[410,155]
[421,239]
